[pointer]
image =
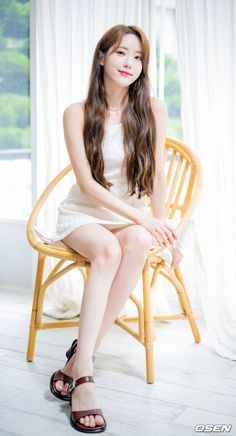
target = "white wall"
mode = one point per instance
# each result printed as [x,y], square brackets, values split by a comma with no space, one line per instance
[16,266]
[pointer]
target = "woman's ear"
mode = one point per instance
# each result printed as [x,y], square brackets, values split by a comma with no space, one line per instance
[101,57]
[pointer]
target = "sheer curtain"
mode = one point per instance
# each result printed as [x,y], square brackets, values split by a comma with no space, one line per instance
[206,40]
[67,32]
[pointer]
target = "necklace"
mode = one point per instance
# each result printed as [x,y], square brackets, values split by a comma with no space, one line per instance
[115,109]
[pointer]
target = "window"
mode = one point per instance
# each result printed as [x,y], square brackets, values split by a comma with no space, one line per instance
[167,67]
[15,153]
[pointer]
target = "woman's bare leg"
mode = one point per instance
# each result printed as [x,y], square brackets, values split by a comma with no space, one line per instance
[103,250]
[136,242]
[133,239]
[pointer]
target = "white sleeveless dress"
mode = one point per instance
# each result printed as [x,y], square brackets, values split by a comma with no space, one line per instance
[77,209]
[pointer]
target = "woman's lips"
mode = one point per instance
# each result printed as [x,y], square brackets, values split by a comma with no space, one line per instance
[124,74]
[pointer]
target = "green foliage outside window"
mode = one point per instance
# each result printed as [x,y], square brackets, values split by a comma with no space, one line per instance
[172,94]
[14,74]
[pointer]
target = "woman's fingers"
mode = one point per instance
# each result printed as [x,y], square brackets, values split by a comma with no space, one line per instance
[161,238]
[172,230]
[164,234]
[158,236]
[168,234]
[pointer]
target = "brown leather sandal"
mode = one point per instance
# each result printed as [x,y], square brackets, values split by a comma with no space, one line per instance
[60,376]
[78,414]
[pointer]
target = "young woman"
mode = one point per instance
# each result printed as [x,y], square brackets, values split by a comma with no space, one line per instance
[115,140]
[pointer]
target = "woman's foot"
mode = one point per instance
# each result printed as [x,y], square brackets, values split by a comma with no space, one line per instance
[84,396]
[62,379]
[68,370]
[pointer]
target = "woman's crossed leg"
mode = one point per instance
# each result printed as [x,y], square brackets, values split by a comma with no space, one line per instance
[117,258]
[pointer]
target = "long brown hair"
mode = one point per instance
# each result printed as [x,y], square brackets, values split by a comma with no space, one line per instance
[137,118]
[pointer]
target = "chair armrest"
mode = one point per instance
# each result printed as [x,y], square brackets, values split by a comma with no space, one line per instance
[40,202]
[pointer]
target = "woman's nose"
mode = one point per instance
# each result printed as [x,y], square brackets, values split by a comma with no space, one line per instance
[127,64]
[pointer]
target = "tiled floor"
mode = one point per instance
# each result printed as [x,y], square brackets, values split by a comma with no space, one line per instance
[193,385]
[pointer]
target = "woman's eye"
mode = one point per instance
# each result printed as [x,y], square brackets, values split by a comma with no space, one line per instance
[123,53]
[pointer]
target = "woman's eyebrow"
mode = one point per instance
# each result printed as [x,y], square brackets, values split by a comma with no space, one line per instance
[137,51]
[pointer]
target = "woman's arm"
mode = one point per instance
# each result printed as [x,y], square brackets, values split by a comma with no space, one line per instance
[157,198]
[73,121]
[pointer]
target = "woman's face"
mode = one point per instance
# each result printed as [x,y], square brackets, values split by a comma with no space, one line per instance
[124,65]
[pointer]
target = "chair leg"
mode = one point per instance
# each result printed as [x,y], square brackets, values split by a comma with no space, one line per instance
[187,306]
[148,324]
[33,326]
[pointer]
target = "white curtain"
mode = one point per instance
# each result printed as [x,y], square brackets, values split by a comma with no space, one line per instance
[206,41]
[67,32]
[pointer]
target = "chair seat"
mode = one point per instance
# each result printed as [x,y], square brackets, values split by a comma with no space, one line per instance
[59,252]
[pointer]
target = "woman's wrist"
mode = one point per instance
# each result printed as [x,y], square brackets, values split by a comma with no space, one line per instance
[139,216]
[161,219]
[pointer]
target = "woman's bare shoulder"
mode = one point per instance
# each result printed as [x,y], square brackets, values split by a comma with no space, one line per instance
[158,105]
[74,110]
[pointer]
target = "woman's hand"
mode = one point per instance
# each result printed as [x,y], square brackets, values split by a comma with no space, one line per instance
[162,232]
[177,256]
[165,236]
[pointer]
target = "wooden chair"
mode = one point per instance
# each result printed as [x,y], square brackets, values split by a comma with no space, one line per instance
[184,180]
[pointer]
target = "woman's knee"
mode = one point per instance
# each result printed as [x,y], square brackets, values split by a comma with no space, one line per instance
[108,252]
[137,241]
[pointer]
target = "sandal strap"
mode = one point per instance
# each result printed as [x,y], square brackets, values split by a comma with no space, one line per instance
[72,350]
[60,376]
[81,380]
[82,413]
